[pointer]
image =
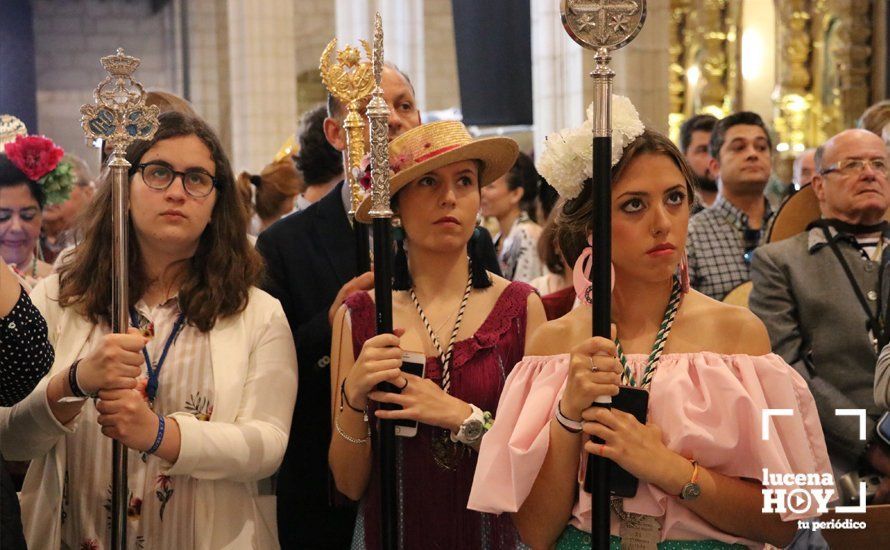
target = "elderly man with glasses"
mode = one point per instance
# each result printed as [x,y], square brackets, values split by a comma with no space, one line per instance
[823,295]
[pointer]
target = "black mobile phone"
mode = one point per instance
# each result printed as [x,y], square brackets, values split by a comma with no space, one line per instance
[412,363]
[636,402]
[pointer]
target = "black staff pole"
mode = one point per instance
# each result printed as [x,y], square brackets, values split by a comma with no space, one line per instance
[602,26]
[378,116]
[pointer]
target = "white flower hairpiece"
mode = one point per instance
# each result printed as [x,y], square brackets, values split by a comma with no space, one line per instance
[567,159]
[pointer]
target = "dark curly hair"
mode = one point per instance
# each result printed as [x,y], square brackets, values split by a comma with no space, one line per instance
[218,277]
[317,160]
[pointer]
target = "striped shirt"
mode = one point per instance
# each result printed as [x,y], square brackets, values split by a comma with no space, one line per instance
[719,238]
[161,508]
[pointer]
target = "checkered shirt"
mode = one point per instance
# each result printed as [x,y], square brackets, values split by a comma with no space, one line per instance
[716,248]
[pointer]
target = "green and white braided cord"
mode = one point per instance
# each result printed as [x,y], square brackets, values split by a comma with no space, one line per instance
[670,314]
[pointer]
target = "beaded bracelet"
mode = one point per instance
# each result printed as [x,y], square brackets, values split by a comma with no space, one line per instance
[160,436]
[72,381]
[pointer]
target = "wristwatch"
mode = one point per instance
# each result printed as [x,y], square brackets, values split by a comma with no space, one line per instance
[691,490]
[474,427]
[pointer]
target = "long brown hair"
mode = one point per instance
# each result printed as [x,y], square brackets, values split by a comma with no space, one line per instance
[218,277]
[574,221]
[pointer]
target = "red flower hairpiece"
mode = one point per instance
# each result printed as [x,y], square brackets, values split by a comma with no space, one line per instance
[35,156]
[365,180]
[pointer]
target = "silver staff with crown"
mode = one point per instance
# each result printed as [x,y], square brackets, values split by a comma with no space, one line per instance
[119,117]
[602,26]
[378,117]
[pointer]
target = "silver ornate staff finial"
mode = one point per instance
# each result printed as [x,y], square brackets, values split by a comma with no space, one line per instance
[378,115]
[119,115]
[603,26]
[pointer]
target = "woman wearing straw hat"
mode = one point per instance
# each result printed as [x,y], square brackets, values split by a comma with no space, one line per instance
[471,327]
[699,456]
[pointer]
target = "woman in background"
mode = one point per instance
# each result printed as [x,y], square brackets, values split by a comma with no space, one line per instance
[32,176]
[271,193]
[511,200]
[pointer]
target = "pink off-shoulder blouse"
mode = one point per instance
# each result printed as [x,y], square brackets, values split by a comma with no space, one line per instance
[709,407]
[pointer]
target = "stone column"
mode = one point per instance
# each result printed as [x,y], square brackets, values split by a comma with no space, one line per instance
[642,68]
[209,65]
[314,26]
[262,79]
[557,74]
[403,41]
[354,21]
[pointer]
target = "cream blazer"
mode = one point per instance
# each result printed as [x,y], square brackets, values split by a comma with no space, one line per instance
[255,387]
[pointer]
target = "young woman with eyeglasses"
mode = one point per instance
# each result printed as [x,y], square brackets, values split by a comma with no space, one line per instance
[186,390]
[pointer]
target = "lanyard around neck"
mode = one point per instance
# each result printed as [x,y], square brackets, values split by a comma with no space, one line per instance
[877,320]
[154,370]
[670,314]
[445,355]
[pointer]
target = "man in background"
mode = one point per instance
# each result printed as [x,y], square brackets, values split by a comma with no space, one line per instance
[695,136]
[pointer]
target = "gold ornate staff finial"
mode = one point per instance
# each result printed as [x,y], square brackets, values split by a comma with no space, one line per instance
[119,115]
[378,115]
[350,81]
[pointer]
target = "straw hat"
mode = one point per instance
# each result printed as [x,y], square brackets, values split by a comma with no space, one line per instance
[431,146]
[795,214]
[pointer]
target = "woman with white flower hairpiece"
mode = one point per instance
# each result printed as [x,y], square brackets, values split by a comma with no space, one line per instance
[700,456]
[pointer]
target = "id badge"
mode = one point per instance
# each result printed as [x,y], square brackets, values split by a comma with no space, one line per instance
[639,532]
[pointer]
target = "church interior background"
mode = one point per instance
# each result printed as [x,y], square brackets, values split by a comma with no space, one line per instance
[808,67]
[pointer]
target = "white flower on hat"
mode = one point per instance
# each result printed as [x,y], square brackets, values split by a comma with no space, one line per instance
[567,159]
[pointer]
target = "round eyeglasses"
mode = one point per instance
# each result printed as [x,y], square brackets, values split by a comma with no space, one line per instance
[160,176]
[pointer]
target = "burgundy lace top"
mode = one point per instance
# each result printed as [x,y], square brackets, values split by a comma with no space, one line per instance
[433,497]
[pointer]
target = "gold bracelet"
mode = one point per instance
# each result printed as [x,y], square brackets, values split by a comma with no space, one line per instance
[349,438]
